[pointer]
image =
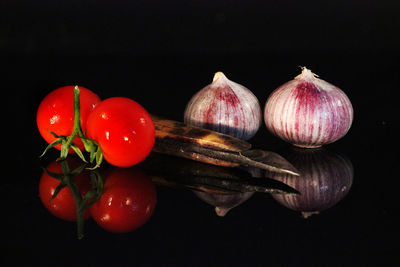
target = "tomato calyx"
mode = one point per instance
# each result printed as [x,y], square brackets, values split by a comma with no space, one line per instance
[67,142]
[82,203]
[94,150]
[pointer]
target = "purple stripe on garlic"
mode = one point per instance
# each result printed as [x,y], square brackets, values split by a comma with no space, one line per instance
[226,107]
[308,111]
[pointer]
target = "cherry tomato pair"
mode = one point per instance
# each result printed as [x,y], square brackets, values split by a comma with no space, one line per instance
[128,199]
[122,128]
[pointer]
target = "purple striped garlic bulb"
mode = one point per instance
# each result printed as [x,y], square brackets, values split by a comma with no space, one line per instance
[226,107]
[308,112]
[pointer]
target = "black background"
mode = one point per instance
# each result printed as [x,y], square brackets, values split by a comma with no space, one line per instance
[160,53]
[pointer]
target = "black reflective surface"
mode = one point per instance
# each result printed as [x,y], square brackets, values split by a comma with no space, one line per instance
[161,64]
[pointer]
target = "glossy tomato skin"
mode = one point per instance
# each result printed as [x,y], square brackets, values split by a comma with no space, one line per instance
[128,200]
[63,205]
[56,113]
[124,130]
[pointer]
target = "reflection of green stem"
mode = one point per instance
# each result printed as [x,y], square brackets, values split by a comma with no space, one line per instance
[68,178]
[79,211]
[81,203]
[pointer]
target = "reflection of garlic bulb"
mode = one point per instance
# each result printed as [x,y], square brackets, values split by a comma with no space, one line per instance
[223,203]
[325,179]
[226,107]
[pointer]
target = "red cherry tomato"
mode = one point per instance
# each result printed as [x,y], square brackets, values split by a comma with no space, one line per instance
[123,129]
[63,205]
[56,113]
[128,200]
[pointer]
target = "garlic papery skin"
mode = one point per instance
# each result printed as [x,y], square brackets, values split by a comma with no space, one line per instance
[308,112]
[226,107]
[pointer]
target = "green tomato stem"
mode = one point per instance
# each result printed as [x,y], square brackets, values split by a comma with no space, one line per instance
[77,120]
[67,142]
[90,145]
[77,111]
[77,130]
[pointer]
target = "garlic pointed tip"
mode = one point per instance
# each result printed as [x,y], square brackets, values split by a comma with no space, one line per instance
[306,74]
[219,76]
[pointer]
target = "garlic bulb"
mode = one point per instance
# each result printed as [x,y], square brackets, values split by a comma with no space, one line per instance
[226,107]
[308,112]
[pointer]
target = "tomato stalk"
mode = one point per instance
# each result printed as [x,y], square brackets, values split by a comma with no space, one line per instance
[67,142]
[76,131]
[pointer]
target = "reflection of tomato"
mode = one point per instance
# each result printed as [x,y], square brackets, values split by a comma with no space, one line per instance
[63,205]
[56,113]
[127,202]
[123,129]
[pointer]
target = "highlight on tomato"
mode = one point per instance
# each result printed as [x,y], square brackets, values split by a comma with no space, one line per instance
[128,200]
[123,130]
[55,114]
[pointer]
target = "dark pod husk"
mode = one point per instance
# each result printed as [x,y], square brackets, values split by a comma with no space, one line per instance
[179,172]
